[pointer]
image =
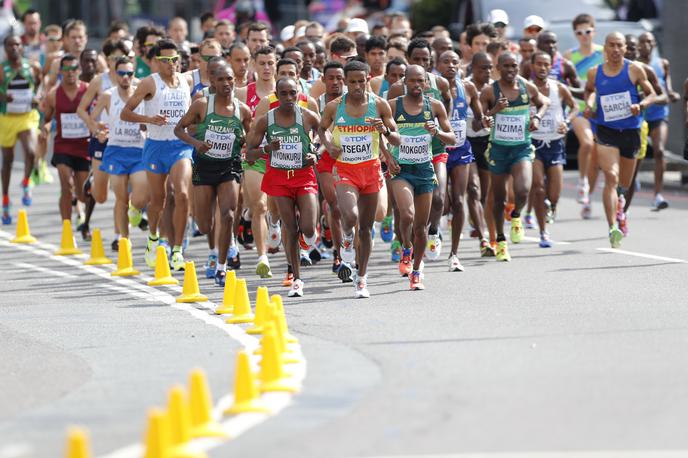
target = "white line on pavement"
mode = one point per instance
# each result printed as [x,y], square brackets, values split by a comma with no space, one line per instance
[643,255]
[57,273]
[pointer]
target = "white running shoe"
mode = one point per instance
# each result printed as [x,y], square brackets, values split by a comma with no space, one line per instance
[274,234]
[263,267]
[150,253]
[296,289]
[361,287]
[660,203]
[583,196]
[433,249]
[454,264]
[346,250]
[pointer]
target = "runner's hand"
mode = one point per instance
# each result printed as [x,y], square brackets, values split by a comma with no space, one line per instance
[674,96]
[275,144]
[635,109]
[563,128]
[393,166]
[311,160]
[588,113]
[8,97]
[102,134]
[487,123]
[203,147]
[157,120]
[192,129]
[377,124]
[502,103]
[534,124]
[333,150]
[431,127]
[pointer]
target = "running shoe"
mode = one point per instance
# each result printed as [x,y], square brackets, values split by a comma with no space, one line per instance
[415,281]
[296,288]
[326,238]
[304,259]
[233,259]
[166,244]
[530,221]
[263,267]
[406,263]
[549,217]
[177,261]
[135,216]
[288,279]
[314,255]
[88,184]
[361,287]
[545,242]
[220,276]
[6,216]
[486,249]
[454,264]
[660,203]
[143,225]
[387,229]
[475,233]
[502,251]
[149,254]
[85,231]
[345,272]
[44,175]
[241,230]
[516,230]
[26,194]
[621,218]
[583,194]
[115,245]
[211,266]
[248,235]
[346,249]
[335,264]
[396,251]
[615,237]
[274,235]
[508,208]
[434,247]
[586,211]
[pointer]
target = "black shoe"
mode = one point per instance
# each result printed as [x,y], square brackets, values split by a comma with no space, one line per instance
[143,225]
[248,235]
[115,245]
[88,184]
[85,232]
[344,273]
[315,255]
[234,263]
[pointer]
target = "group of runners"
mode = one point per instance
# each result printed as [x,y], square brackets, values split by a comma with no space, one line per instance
[310,143]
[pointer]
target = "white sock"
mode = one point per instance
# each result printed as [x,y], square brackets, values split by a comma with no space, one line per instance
[213,252]
[221,267]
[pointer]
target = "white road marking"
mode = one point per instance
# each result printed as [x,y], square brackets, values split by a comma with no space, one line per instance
[233,426]
[643,255]
[57,273]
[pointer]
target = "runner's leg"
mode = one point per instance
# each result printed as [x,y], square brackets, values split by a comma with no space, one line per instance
[180,175]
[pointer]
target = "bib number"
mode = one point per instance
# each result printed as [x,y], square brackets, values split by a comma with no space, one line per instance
[73,126]
[415,149]
[459,128]
[357,148]
[21,100]
[616,106]
[510,128]
[222,144]
[289,156]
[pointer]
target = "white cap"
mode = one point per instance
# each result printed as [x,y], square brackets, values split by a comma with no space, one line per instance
[499,16]
[300,32]
[533,20]
[287,33]
[357,25]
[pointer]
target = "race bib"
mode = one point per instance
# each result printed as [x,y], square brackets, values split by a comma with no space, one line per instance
[357,148]
[73,126]
[415,149]
[510,128]
[549,124]
[21,100]
[126,134]
[222,144]
[289,156]
[459,128]
[616,106]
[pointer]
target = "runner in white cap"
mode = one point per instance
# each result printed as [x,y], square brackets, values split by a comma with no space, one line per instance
[532,26]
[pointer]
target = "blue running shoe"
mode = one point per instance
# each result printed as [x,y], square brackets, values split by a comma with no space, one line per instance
[26,195]
[6,216]
[396,251]
[387,231]
[211,266]
[344,273]
[220,278]
[233,260]
[166,244]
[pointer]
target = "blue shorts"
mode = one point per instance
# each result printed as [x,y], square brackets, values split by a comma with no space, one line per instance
[463,155]
[96,149]
[502,157]
[160,155]
[550,153]
[122,160]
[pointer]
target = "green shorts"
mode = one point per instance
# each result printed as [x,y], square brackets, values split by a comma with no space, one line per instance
[421,177]
[501,158]
[258,166]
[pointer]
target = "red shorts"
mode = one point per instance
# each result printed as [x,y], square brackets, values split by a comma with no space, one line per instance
[289,183]
[366,177]
[325,163]
[442,157]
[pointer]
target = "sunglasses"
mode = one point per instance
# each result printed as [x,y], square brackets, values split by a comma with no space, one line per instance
[168,59]
[70,68]
[54,38]
[580,33]
[207,58]
[347,58]
[114,58]
[124,73]
[149,43]
[534,29]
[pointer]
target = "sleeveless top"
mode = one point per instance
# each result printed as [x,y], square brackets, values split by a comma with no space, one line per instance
[223,132]
[384,89]
[142,68]
[415,146]
[470,132]
[122,133]
[512,123]
[585,63]
[557,70]
[252,97]
[197,83]
[658,112]
[434,92]
[554,116]
[170,102]
[614,97]
[358,139]
[72,134]
[18,83]
[294,142]
[458,115]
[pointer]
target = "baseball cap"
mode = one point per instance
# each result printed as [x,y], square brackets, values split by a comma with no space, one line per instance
[499,16]
[287,33]
[534,21]
[300,32]
[357,25]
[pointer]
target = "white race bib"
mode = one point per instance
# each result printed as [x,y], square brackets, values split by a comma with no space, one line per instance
[73,126]
[549,124]
[357,148]
[510,128]
[289,156]
[223,144]
[459,128]
[616,106]
[128,134]
[21,100]
[415,149]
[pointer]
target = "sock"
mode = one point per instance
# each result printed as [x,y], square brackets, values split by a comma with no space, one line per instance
[621,191]
[117,236]
[501,238]
[221,267]
[213,252]
[5,200]
[177,248]
[153,237]
[515,214]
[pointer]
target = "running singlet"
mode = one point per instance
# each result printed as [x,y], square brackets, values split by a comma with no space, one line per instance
[384,89]
[459,114]
[614,97]
[122,133]
[294,142]
[252,98]
[557,70]
[224,133]
[554,116]
[511,124]
[142,68]
[658,112]
[583,64]
[434,92]
[169,102]
[72,134]
[20,85]
[358,139]
[197,83]
[470,132]
[415,146]
[302,100]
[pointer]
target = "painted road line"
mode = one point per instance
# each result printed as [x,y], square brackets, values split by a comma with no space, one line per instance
[233,426]
[537,239]
[643,255]
[57,273]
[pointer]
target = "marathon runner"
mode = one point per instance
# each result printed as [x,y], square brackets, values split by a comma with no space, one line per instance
[146,39]
[239,58]
[208,49]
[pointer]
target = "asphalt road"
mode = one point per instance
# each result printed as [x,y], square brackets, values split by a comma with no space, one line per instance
[576,348]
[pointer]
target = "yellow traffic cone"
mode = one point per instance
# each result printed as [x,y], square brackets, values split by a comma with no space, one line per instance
[242,305]
[227,305]
[262,301]
[125,263]
[68,244]
[200,400]
[23,235]
[285,352]
[272,376]
[277,299]
[97,251]
[190,290]
[163,276]
[77,443]
[157,435]
[180,425]
[245,390]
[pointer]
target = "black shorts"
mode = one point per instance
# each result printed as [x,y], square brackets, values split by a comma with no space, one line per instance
[652,125]
[214,173]
[78,164]
[626,140]
[479,146]
[96,148]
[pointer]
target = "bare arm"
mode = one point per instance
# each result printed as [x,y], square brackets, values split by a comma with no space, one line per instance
[317,89]
[262,108]
[386,122]
[375,84]
[191,117]
[567,97]
[662,97]
[445,133]
[90,94]
[571,76]
[395,90]
[639,78]
[541,103]
[479,118]
[240,94]
[589,96]
[443,86]
[323,130]
[311,122]
[255,138]
[673,95]
[143,90]
[48,112]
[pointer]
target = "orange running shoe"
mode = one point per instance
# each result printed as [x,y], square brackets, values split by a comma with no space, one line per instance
[288,280]
[415,281]
[508,208]
[406,263]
